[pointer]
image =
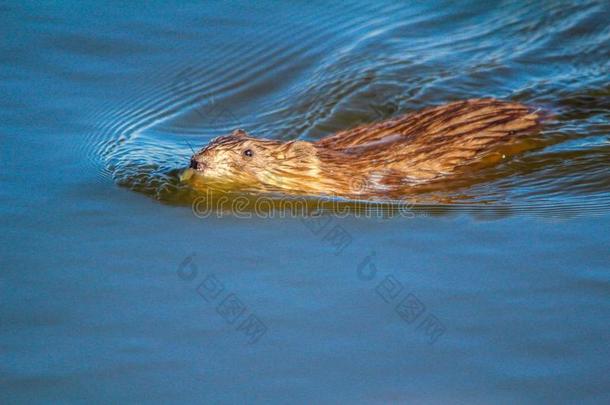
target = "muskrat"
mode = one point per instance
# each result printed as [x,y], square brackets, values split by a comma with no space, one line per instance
[369,160]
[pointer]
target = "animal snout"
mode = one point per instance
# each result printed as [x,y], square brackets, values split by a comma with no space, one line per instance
[197,165]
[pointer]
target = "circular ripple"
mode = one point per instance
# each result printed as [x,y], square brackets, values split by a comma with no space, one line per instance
[313,72]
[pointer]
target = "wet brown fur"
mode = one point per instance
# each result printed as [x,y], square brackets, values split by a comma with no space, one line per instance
[372,159]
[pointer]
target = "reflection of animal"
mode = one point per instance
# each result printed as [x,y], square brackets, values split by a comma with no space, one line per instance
[387,156]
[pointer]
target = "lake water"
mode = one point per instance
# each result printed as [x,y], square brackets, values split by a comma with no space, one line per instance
[114,289]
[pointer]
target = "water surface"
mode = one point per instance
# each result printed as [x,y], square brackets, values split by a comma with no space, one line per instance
[113,289]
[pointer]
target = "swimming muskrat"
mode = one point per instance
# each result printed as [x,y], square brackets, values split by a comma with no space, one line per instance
[368,160]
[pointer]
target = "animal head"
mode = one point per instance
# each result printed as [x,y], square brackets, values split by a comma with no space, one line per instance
[240,159]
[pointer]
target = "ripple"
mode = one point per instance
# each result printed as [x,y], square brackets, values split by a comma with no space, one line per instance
[313,72]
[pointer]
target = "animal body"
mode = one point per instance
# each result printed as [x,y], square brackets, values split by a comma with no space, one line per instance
[370,160]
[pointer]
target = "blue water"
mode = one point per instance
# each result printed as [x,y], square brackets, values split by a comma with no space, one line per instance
[113,290]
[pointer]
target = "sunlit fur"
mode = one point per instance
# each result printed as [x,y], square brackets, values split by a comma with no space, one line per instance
[274,165]
[372,159]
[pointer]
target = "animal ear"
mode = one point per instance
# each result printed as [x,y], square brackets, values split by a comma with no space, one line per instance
[300,150]
[239,133]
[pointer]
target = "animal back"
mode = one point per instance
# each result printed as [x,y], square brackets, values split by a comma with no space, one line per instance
[437,140]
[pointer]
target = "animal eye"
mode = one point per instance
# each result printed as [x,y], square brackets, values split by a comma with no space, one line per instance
[248,152]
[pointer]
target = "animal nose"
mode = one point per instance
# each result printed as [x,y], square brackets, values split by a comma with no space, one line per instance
[197,165]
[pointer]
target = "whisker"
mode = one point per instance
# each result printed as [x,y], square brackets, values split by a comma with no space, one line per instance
[190,146]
